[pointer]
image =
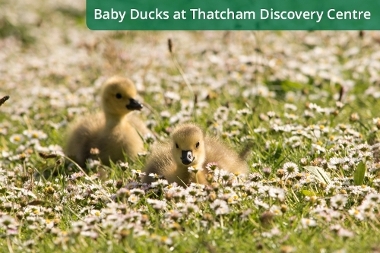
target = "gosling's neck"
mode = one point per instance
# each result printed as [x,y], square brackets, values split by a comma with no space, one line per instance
[113,120]
[187,177]
[183,174]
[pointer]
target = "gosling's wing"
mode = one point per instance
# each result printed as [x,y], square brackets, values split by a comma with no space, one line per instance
[134,119]
[226,158]
[159,162]
[80,137]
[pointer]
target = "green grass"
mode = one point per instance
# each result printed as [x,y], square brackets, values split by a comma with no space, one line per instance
[314,182]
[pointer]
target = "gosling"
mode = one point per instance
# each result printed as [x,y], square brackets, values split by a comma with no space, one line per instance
[189,147]
[110,135]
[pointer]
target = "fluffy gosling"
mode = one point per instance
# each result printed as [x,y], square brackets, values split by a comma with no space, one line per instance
[189,147]
[112,134]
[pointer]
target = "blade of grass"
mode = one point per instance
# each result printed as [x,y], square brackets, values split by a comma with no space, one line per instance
[359,173]
[178,66]
[319,173]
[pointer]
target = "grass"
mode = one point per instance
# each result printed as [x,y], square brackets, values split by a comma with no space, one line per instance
[314,182]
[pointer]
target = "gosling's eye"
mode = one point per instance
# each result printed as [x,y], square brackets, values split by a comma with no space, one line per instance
[197,145]
[176,145]
[118,95]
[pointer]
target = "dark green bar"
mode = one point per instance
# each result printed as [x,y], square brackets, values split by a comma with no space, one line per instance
[365,15]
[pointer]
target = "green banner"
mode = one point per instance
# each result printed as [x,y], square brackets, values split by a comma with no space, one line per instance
[233,15]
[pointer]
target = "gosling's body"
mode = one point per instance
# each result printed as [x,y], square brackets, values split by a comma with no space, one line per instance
[189,147]
[110,135]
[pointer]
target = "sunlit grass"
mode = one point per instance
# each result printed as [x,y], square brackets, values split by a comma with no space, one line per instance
[305,100]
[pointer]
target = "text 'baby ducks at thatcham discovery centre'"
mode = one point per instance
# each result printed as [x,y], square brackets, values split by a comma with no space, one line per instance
[228,14]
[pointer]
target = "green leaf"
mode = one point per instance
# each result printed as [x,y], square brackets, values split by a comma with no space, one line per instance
[359,173]
[308,193]
[289,85]
[319,173]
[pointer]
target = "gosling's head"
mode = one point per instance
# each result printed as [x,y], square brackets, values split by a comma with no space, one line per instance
[188,147]
[119,96]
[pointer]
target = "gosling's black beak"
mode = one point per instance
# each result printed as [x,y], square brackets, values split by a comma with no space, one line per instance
[134,105]
[187,157]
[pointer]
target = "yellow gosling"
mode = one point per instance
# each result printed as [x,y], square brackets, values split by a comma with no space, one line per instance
[189,147]
[112,134]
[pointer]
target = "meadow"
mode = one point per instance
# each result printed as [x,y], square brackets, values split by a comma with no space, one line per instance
[307,103]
